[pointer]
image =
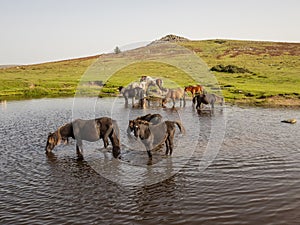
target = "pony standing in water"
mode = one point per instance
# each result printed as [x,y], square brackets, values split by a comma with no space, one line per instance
[148,81]
[88,130]
[206,99]
[175,94]
[154,135]
[136,92]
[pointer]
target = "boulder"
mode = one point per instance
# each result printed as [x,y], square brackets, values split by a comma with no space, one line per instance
[292,121]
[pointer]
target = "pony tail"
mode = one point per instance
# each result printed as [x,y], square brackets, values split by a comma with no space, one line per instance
[194,99]
[180,126]
[115,128]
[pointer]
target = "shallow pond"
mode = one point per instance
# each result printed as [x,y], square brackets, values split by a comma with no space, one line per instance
[233,166]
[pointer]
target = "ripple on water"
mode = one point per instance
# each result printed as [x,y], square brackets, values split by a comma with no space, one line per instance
[253,179]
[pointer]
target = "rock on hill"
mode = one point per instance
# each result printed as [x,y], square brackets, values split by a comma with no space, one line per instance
[173,38]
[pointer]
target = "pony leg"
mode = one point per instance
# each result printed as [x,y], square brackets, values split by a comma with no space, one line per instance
[79,149]
[194,101]
[105,136]
[142,103]
[198,106]
[171,144]
[149,154]
[173,102]
[105,141]
[167,146]
[222,101]
[149,147]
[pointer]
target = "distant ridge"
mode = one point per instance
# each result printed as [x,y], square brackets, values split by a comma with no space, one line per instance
[7,66]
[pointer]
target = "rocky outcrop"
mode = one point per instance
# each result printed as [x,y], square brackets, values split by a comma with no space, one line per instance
[173,38]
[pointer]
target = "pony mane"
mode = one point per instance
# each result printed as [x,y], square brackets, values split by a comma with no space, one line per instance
[58,130]
[144,122]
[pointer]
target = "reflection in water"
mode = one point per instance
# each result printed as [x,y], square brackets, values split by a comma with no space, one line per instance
[253,179]
[3,104]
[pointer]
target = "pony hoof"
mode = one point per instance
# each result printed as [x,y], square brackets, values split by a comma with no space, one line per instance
[79,158]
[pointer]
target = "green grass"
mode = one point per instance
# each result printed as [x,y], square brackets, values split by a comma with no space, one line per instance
[168,73]
[276,68]
[275,73]
[42,80]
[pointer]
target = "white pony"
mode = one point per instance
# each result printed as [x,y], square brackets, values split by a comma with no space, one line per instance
[147,81]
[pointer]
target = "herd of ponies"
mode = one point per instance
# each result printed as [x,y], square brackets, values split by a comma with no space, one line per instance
[150,129]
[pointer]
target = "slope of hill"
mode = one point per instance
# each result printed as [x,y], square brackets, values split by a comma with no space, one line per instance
[262,73]
[273,75]
[53,79]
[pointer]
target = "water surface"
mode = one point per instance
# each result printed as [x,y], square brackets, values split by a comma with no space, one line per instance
[254,178]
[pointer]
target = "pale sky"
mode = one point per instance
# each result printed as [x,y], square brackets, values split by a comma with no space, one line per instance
[35,31]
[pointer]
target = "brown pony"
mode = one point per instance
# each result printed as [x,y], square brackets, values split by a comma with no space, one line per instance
[194,89]
[88,130]
[159,133]
[174,94]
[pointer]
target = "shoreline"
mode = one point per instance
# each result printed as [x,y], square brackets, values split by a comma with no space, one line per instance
[271,102]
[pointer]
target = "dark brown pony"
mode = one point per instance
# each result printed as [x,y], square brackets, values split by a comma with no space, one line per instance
[194,89]
[88,130]
[163,132]
[206,99]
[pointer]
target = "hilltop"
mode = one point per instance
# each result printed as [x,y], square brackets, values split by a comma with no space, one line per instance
[173,38]
[251,72]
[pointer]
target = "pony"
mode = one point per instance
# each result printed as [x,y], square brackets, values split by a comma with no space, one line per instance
[206,99]
[152,118]
[194,89]
[163,132]
[136,92]
[148,81]
[88,130]
[174,94]
[133,85]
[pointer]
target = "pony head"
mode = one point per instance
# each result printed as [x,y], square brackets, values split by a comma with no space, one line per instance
[143,78]
[140,127]
[52,141]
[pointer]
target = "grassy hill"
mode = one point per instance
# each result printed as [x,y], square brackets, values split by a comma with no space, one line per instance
[274,66]
[51,79]
[260,73]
